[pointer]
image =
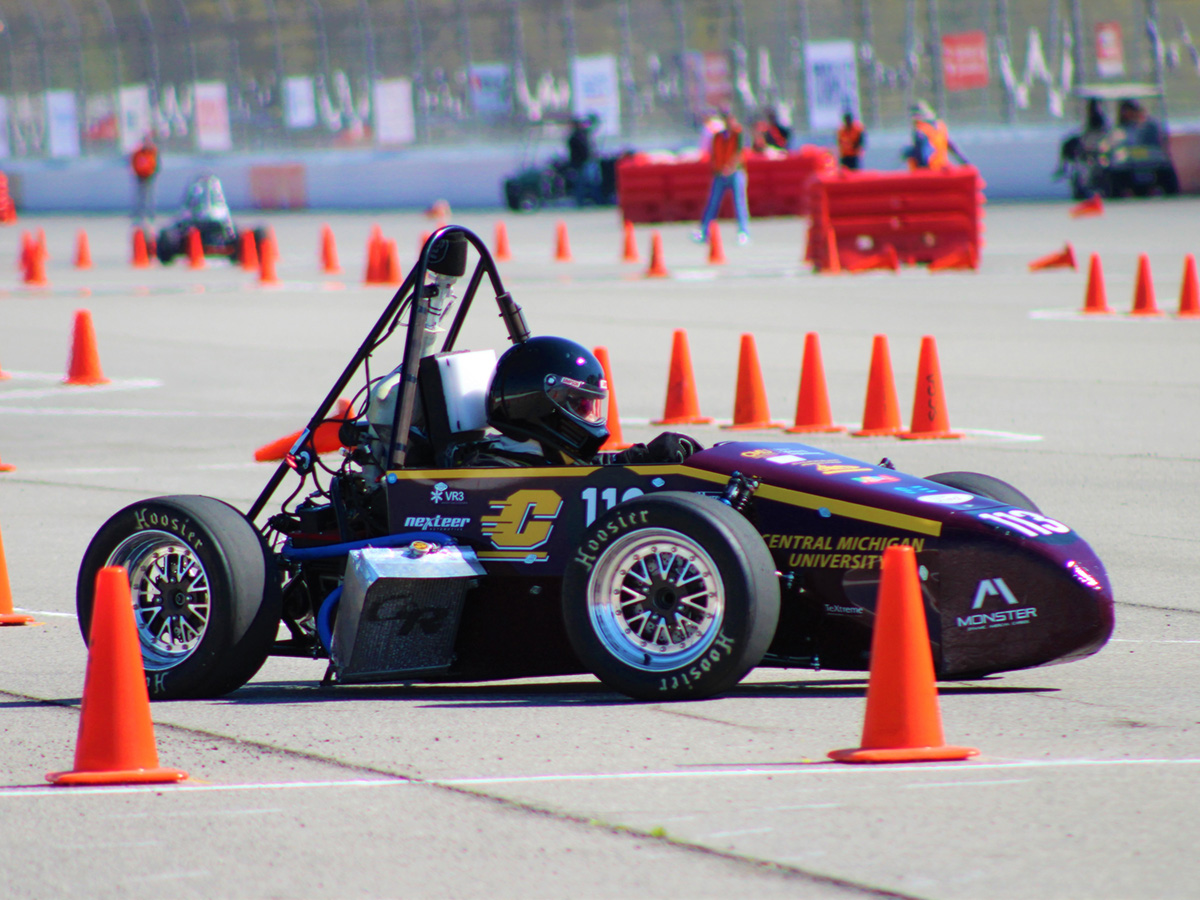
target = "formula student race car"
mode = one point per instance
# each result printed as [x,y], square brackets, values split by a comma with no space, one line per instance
[204,209]
[667,581]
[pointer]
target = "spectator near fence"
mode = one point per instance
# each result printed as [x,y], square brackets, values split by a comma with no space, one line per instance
[726,157]
[931,147]
[144,163]
[851,139]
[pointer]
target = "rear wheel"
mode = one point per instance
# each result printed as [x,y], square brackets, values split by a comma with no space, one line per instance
[206,594]
[985,486]
[671,596]
[168,245]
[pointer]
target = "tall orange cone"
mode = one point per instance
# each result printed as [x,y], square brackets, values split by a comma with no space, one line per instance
[325,439]
[833,265]
[116,734]
[616,441]
[374,257]
[84,366]
[83,251]
[501,252]
[657,268]
[1092,206]
[682,407]
[812,405]
[141,256]
[1063,259]
[881,413]
[716,249]
[903,721]
[1189,291]
[249,252]
[329,255]
[1143,295]
[750,410]
[195,249]
[1096,300]
[35,270]
[562,243]
[266,260]
[629,253]
[389,272]
[7,616]
[929,418]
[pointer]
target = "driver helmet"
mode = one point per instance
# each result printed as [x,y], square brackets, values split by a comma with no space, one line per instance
[553,391]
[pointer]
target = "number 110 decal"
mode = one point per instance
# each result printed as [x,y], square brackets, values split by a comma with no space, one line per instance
[608,497]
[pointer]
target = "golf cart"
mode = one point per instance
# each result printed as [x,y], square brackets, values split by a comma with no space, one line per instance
[1122,149]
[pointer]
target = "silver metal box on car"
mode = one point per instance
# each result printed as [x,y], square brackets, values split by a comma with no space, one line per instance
[400,609]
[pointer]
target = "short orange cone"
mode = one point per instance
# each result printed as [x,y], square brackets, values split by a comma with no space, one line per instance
[962,258]
[1096,300]
[325,439]
[83,251]
[195,249]
[881,413]
[1092,206]
[903,721]
[329,255]
[249,252]
[141,256]
[7,467]
[886,259]
[682,407]
[1189,291]
[562,244]
[501,252]
[266,260]
[116,734]
[629,253]
[750,410]
[657,268]
[35,269]
[1063,259]
[389,272]
[374,257]
[26,250]
[716,249]
[812,405]
[84,366]
[1144,303]
[833,264]
[929,418]
[7,616]
[616,441]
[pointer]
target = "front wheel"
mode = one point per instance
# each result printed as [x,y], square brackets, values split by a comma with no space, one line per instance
[206,593]
[671,596]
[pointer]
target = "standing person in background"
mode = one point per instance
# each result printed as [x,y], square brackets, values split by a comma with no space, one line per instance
[581,158]
[769,131]
[931,147]
[729,174]
[144,163]
[852,140]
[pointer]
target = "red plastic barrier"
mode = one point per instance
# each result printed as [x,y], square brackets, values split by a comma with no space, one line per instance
[923,216]
[650,190]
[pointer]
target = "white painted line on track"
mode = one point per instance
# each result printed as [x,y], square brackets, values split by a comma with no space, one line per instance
[1114,316]
[193,787]
[1133,641]
[62,391]
[43,612]
[720,834]
[958,784]
[135,413]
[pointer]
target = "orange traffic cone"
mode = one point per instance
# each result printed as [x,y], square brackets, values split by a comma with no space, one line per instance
[195,249]
[83,251]
[682,407]
[374,257]
[39,241]
[266,260]
[1063,259]
[903,722]
[26,250]
[7,616]
[325,438]
[501,251]
[389,272]
[329,255]
[1143,294]
[812,405]
[629,252]
[7,467]
[1096,300]
[887,259]
[35,271]
[929,417]
[562,244]
[658,268]
[833,264]
[1092,206]
[116,734]
[962,258]
[141,256]
[4,376]
[750,404]
[1189,292]
[616,441]
[881,413]
[84,366]
[249,252]
[716,249]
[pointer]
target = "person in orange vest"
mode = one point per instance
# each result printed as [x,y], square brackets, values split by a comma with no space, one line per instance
[931,147]
[771,132]
[144,163]
[852,140]
[729,174]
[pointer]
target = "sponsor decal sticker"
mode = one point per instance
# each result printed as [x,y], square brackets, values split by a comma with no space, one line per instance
[947,499]
[876,479]
[437,523]
[1012,613]
[441,493]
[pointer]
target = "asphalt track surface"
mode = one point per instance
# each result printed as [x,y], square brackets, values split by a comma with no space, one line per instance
[1086,782]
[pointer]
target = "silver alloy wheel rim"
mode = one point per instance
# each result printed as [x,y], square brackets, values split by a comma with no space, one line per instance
[172,601]
[656,600]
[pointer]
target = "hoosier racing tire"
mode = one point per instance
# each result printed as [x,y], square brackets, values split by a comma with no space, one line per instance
[671,596]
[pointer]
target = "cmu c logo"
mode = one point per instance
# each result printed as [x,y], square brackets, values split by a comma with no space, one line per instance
[522,521]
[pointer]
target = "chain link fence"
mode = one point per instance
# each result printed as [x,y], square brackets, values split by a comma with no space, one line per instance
[91,77]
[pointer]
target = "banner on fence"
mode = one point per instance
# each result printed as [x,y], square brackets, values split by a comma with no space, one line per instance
[134,101]
[965,60]
[299,102]
[709,82]
[594,91]
[1110,50]
[491,88]
[5,147]
[62,124]
[212,116]
[393,107]
[831,82]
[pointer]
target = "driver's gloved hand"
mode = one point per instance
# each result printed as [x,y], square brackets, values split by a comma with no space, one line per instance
[670,447]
